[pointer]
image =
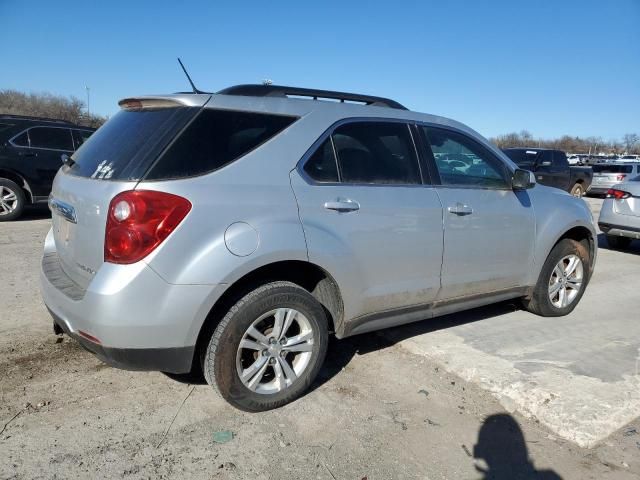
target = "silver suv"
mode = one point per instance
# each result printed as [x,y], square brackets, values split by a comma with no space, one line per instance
[233,232]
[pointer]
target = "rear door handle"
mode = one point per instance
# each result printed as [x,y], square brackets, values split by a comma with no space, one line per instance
[27,154]
[342,206]
[460,209]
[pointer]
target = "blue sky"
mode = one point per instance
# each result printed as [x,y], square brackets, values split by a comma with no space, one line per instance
[549,66]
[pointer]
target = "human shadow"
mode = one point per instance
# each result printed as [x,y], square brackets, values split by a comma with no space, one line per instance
[501,452]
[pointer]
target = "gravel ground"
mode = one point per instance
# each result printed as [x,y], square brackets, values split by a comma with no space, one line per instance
[376,412]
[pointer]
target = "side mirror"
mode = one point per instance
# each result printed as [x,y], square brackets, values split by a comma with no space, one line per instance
[523,180]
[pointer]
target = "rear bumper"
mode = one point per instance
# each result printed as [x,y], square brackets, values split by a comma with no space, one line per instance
[620,230]
[170,360]
[598,190]
[141,321]
[613,223]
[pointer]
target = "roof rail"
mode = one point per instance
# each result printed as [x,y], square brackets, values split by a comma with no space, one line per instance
[9,116]
[282,91]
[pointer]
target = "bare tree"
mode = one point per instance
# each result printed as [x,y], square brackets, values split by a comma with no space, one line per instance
[631,142]
[48,105]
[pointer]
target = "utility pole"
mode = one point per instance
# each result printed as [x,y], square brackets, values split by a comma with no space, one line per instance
[88,110]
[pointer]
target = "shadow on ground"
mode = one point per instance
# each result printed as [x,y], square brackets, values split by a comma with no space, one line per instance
[501,452]
[633,248]
[35,212]
[340,352]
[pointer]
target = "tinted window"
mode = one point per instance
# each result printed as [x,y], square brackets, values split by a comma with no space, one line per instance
[612,168]
[523,158]
[22,140]
[125,146]
[559,159]
[214,139]
[545,156]
[321,166]
[462,161]
[80,136]
[53,138]
[380,153]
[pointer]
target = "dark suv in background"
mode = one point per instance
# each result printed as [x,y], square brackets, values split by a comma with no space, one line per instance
[31,151]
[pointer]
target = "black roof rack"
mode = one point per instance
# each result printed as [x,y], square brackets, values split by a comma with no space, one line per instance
[282,91]
[9,116]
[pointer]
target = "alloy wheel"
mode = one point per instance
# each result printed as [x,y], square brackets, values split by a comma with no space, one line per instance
[8,200]
[275,351]
[566,281]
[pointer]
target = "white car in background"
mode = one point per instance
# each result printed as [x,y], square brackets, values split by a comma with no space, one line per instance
[620,213]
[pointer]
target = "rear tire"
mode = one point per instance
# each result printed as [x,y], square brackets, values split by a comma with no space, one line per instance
[577,190]
[12,200]
[268,348]
[619,243]
[562,281]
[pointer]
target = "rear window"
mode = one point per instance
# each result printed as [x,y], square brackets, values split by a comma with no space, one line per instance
[125,146]
[215,139]
[612,168]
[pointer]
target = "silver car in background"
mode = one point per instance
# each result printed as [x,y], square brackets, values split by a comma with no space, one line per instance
[620,213]
[233,232]
[606,175]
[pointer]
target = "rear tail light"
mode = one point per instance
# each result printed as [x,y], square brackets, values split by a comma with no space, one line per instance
[617,194]
[138,221]
[621,177]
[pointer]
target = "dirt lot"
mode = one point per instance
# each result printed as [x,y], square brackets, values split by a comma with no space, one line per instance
[381,409]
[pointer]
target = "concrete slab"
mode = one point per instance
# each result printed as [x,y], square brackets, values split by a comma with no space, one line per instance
[579,375]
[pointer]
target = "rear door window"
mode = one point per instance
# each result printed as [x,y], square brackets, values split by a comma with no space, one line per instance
[214,139]
[376,153]
[560,159]
[21,140]
[322,166]
[51,138]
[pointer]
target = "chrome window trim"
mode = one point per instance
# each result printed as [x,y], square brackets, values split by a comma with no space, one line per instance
[10,141]
[328,133]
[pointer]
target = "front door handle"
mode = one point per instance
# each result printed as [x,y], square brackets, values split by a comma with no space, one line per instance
[460,209]
[27,154]
[342,206]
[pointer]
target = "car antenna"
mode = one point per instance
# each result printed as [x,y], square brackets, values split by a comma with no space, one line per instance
[195,90]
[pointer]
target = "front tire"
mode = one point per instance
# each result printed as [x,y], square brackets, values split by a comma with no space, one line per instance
[12,200]
[618,243]
[562,281]
[268,348]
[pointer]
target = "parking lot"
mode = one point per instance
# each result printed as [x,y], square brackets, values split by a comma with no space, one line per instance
[495,388]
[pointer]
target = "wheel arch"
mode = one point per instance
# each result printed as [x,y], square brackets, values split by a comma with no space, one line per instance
[583,235]
[307,275]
